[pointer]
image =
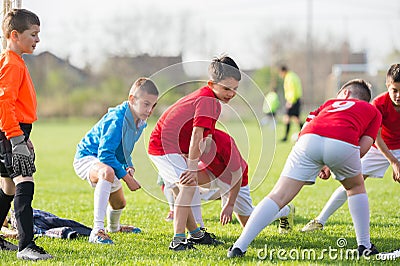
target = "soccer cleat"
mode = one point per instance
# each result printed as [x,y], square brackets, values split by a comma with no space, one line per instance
[312,225]
[5,245]
[170,216]
[129,229]
[207,239]
[363,251]
[235,252]
[100,238]
[180,246]
[286,223]
[33,252]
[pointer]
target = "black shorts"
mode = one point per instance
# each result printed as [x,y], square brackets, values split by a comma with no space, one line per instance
[295,109]
[5,150]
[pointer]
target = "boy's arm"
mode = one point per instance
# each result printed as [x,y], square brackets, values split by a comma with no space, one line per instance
[190,176]
[130,180]
[110,139]
[227,210]
[10,83]
[383,148]
[365,144]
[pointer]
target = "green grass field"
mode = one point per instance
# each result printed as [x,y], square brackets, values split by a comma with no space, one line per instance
[59,191]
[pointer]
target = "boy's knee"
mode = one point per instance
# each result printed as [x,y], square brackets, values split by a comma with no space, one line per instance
[106,173]
[354,185]
[8,186]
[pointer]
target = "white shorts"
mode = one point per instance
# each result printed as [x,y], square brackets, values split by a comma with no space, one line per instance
[311,152]
[83,166]
[375,164]
[170,167]
[243,204]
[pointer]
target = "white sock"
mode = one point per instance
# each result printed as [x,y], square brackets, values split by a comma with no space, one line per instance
[337,199]
[113,217]
[264,213]
[359,210]
[196,208]
[169,195]
[283,212]
[101,196]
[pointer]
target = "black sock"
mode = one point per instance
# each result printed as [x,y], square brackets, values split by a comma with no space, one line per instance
[287,131]
[301,125]
[5,205]
[24,213]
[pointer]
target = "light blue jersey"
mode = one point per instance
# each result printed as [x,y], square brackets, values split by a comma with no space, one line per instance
[112,139]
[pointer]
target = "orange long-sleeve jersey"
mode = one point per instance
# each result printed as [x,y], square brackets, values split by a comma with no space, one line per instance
[17,94]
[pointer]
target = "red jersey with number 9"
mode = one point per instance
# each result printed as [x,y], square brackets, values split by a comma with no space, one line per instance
[344,119]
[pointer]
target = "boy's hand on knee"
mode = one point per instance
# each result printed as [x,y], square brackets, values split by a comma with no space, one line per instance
[130,181]
[188,178]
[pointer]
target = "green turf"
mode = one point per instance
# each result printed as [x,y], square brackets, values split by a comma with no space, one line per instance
[60,191]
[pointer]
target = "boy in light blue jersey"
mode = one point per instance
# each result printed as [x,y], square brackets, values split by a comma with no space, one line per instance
[103,157]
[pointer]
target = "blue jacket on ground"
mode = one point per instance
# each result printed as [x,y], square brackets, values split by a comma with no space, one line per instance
[112,139]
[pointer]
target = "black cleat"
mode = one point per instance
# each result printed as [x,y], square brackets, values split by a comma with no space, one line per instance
[236,252]
[5,245]
[180,246]
[207,239]
[363,251]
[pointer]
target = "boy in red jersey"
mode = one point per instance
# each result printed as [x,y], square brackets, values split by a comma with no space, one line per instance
[336,135]
[385,151]
[183,129]
[224,168]
[17,113]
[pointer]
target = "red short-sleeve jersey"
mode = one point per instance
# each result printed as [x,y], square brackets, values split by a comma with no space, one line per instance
[390,121]
[173,130]
[224,158]
[344,119]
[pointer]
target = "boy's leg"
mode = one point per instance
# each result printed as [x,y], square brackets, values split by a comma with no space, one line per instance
[103,176]
[7,191]
[114,210]
[337,199]
[169,195]
[286,122]
[170,167]
[196,208]
[27,248]
[183,210]
[24,189]
[265,212]
[359,208]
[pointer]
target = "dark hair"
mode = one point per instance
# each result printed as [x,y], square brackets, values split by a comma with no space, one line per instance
[145,85]
[359,89]
[19,20]
[284,68]
[393,74]
[222,68]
